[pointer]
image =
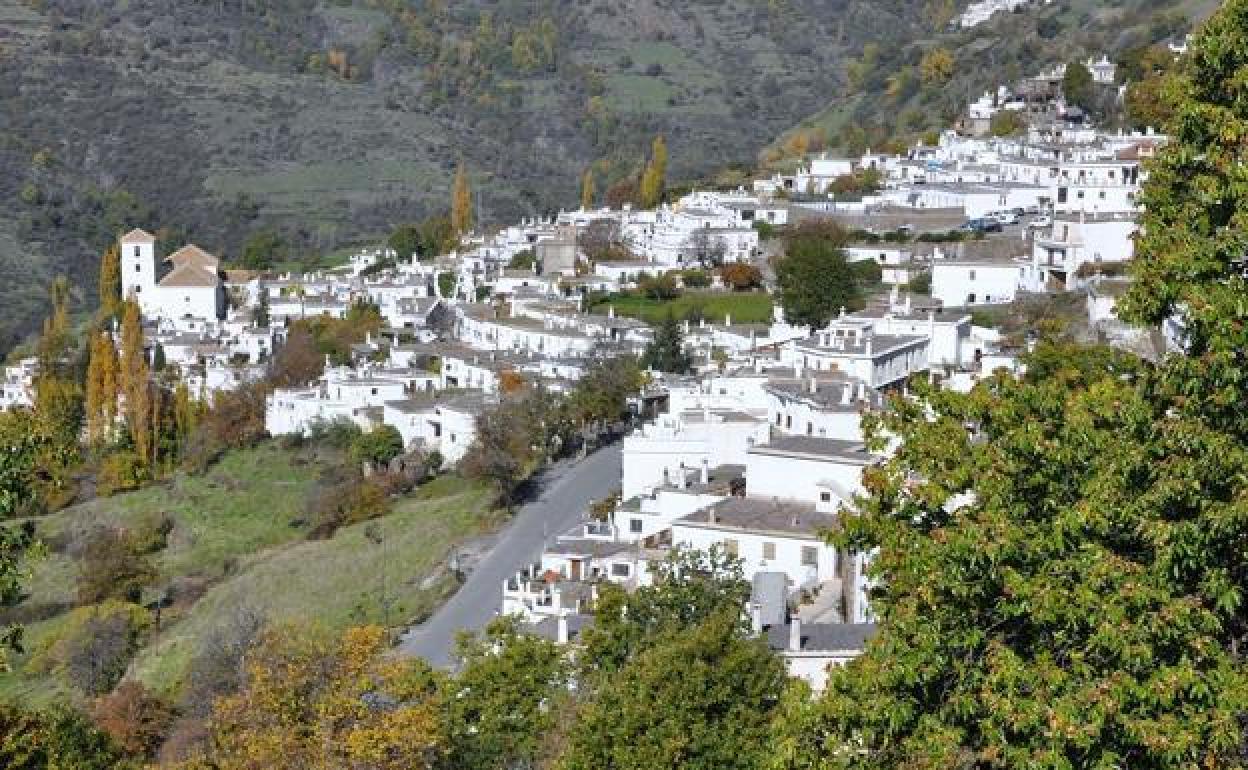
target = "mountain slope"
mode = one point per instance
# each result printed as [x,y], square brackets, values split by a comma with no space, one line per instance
[335,120]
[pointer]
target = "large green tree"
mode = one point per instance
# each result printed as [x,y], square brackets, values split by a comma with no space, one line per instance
[816,282]
[1060,559]
[666,352]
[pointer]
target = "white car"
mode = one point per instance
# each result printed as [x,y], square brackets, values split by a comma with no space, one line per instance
[1040,223]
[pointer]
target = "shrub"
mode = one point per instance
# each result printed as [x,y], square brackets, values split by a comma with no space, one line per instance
[695,279]
[339,433]
[740,276]
[95,646]
[113,567]
[347,501]
[377,447]
[120,471]
[134,718]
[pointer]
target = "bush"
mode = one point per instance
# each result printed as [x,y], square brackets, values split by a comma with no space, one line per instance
[920,284]
[740,276]
[95,645]
[377,447]
[119,472]
[345,501]
[113,566]
[695,279]
[868,271]
[134,718]
[339,433]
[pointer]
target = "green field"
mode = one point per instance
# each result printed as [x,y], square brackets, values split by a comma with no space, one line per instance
[743,307]
[239,532]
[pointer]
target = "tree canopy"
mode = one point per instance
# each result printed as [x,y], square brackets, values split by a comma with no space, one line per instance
[666,352]
[816,282]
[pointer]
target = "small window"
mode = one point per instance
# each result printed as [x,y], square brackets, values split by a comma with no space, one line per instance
[620,570]
[810,556]
[634,525]
[138,268]
[731,547]
[769,551]
[972,276]
[825,497]
[136,251]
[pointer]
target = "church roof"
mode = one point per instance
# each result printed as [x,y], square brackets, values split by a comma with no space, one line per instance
[189,275]
[192,254]
[138,236]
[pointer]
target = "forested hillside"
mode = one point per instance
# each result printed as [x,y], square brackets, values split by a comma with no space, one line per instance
[895,92]
[331,120]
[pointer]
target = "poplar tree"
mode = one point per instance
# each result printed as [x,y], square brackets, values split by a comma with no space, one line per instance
[461,202]
[134,376]
[102,388]
[654,178]
[110,283]
[588,190]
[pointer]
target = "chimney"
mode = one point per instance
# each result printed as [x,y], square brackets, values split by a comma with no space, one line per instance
[814,385]
[561,629]
[847,395]
[797,368]
[727,319]
[756,618]
[758,365]
[610,311]
[795,633]
[706,471]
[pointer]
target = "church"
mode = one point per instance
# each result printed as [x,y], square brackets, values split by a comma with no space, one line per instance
[185,284]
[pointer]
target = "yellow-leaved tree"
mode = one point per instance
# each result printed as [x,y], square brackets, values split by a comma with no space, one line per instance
[102,388]
[134,381]
[654,178]
[588,190]
[110,283]
[314,702]
[461,202]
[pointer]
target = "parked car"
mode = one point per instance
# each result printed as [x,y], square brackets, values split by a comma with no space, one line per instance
[1007,218]
[1040,223]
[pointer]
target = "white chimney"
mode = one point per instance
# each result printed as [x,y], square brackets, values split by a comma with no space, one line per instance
[758,365]
[561,629]
[727,319]
[814,385]
[610,311]
[706,471]
[847,395]
[756,618]
[795,633]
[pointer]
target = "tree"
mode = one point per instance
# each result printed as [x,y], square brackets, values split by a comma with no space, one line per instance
[513,440]
[587,190]
[741,276]
[461,202]
[654,177]
[55,347]
[14,544]
[697,698]
[666,352]
[689,588]
[102,389]
[501,706]
[706,249]
[661,287]
[110,283]
[94,645]
[263,249]
[407,242]
[260,315]
[136,385]
[815,281]
[316,702]
[1007,123]
[58,739]
[298,361]
[1077,84]
[936,67]
[378,446]
[524,259]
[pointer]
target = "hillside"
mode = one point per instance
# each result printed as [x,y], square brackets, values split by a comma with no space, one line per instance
[900,92]
[225,563]
[332,120]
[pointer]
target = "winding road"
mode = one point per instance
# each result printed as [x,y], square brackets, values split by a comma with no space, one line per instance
[567,489]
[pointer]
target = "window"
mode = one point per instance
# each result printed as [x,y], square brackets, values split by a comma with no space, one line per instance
[810,556]
[634,525]
[972,275]
[825,497]
[619,570]
[769,550]
[136,251]
[731,547]
[138,268]
[810,429]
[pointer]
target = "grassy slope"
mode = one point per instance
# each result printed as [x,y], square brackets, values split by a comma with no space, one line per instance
[239,527]
[745,307]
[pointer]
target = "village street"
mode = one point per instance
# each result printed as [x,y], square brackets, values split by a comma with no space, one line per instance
[568,489]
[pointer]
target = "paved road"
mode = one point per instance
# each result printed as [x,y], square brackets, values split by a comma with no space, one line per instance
[567,490]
